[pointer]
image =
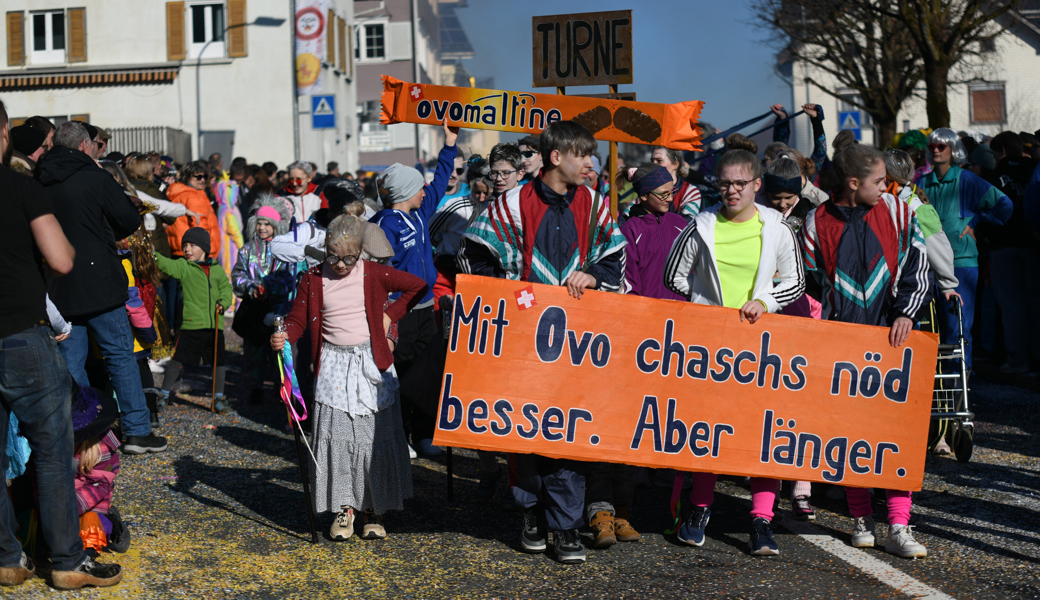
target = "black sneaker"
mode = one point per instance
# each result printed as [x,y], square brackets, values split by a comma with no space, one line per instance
[90,572]
[532,538]
[761,538]
[568,547]
[139,444]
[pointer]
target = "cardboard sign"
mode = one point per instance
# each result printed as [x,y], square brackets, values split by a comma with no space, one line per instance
[659,383]
[582,49]
[671,125]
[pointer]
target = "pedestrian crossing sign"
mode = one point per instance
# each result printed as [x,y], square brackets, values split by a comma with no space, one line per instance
[850,121]
[323,112]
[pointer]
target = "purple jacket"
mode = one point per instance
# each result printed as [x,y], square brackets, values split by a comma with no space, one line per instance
[650,238]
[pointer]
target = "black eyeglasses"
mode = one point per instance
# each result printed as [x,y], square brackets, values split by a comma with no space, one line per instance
[500,174]
[739,185]
[349,260]
[528,153]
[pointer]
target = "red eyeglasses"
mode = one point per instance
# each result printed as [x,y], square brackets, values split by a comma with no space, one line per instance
[937,147]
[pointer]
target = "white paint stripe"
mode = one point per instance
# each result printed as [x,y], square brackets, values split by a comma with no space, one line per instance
[863,561]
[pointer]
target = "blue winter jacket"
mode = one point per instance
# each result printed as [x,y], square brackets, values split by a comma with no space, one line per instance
[409,234]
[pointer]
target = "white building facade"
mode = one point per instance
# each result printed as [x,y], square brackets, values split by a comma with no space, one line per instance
[128,66]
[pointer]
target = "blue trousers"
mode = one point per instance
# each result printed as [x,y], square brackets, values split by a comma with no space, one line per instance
[111,331]
[968,282]
[558,484]
[36,386]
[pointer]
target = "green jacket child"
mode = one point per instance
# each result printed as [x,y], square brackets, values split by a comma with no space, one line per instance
[202,291]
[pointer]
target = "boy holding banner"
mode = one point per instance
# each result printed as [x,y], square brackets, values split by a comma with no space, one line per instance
[727,257]
[862,223]
[553,230]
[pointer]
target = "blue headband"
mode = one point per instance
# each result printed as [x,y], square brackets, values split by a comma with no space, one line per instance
[652,180]
[776,184]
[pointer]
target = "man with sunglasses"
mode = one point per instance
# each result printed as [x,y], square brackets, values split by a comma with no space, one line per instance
[529,146]
[456,187]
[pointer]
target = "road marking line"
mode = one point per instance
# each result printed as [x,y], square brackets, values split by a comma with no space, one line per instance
[874,567]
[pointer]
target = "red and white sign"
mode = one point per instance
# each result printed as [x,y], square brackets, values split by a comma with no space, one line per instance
[525,298]
[310,29]
[415,93]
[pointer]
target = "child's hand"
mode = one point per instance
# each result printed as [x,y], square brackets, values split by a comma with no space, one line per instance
[451,133]
[949,294]
[278,341]
[778,110]
[386,325]
[61,337]
[968,231]
[900,331]
[752,311]
[810,109]
[220,309]
[578,282]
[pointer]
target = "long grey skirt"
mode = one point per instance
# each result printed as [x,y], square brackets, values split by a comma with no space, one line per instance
[364,460]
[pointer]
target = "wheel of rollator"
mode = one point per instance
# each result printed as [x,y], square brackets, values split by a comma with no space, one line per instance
[964,442]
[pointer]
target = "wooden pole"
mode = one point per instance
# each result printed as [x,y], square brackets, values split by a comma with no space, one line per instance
[613,171]
[216,336]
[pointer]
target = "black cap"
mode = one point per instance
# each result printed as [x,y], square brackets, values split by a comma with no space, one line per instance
[197,236]
[27,139]
[91,131]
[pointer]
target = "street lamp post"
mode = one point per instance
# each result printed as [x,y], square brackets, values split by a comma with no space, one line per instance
[259,22]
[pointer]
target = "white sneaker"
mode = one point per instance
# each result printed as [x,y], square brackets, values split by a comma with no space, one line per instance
[411,452]
[863,533]
[155,367]
[901,542]
[343,526]
[426,448]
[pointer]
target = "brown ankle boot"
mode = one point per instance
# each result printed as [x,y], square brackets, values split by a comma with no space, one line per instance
[623,530]
[603,530]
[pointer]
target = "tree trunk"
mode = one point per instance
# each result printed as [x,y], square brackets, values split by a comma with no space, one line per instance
[936,80]
[886,130]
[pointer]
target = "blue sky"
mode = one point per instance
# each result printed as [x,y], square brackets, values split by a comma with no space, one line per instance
[683,50]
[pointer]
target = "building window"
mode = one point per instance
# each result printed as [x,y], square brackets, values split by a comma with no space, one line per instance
[986,103]
[371,42]
[207,27]
[48,37]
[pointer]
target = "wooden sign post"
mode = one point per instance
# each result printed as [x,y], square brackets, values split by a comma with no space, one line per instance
[584,49]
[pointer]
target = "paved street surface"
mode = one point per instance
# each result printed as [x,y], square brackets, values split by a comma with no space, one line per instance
[221,515]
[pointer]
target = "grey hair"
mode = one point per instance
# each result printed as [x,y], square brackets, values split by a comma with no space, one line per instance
[784,167]
[71,134]
[899,166]
[945,135]
[303,166]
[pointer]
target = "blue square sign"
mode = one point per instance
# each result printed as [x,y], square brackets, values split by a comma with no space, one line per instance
[851,121]
[323,112]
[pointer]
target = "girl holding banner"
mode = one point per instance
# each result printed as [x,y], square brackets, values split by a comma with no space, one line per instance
[749,244]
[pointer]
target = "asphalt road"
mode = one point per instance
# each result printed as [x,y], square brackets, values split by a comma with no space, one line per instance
[222,515]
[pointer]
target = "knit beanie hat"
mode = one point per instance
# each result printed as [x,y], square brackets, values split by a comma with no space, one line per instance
[197,236]
[27,139]
[400,182]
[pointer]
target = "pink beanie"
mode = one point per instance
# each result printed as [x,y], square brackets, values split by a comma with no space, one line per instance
[269,213]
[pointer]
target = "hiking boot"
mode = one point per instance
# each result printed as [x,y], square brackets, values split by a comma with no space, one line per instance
[532,536]
[90,572]
[761,539]
[623,530]
[692,531]
[901,542]
[603,530]
[256,396]
[343,526]
[17,574]
[568,548]
[486,487]
[140,444]
[802,509]
[372,526]
[220,404]
[863,532]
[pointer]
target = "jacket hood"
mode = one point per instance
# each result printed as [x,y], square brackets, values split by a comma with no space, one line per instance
[61,163]
[148,187]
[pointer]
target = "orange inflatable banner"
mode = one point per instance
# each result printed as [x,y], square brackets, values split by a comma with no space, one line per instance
[670,125]
[659,383]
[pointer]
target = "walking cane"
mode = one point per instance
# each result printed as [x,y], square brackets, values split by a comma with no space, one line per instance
[216,336]
[279,325]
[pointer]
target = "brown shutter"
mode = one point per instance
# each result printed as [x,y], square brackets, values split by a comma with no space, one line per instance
[341,37]
[988,106]
[237,46]
[15,39]
[330,38]
[80,118]
[77,35]
[175,31]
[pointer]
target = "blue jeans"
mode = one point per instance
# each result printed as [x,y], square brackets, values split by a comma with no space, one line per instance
[557,484]
[35,385]
[967,285]
[111,331]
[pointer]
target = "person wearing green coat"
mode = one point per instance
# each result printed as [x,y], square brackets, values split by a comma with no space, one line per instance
[207,292]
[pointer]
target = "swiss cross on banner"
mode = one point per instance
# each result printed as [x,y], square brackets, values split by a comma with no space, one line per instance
[415,93]
[525,298]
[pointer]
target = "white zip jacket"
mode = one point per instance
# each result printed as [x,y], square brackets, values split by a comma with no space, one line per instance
[693,271]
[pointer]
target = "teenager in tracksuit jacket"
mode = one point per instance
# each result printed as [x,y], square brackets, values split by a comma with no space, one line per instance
[867,263]
[727,257]
[556,231]
[406,223]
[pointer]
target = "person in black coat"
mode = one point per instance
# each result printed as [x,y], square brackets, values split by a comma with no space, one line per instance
[94,212]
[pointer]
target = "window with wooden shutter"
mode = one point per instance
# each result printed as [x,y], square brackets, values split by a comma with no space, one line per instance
[15,39]
[330,38]
[987,103]
[175,49]
[237,46]
[77,18]
[341,37]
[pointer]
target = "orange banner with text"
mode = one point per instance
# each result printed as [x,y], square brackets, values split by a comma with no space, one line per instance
[659,383]
[670,125]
